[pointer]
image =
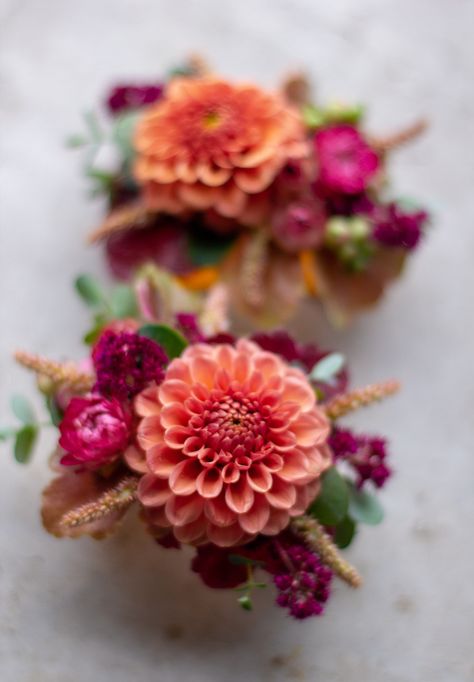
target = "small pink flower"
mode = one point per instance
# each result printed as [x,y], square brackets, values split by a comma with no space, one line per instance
[94,431]
[233,444]
[346,162]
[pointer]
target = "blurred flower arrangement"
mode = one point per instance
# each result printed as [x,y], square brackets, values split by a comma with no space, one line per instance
[230,445]
[273,194]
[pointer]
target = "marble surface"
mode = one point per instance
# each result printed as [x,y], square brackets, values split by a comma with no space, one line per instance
[124,610]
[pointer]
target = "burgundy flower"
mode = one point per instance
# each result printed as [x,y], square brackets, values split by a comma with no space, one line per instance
[188,325]
[126,363]
[300,225]
[124,97]
[346,162]
[94,431]
[396,227]
[304,582]
[367,455]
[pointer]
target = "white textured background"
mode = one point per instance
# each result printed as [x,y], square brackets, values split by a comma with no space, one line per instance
[77,611]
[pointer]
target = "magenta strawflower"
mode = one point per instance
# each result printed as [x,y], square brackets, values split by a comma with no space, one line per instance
[346,162]
[397,227]
[304,582]
[94,431]
[126,363]
[124,97]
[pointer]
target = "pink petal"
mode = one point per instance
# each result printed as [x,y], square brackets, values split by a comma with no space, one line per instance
[230,473]
[273,462]
[282,495]
[224,356]
[176,436]
[298,391]
[259,478]
[135,459]
[278,520]
[174,414]
[203,371]
[310,429]
[209,482]
[191,532]
[173,391]
[268,364]
[152,491]
[146,403]
[295,466]
[225,536]
[182,479]
[178,369]
[241,367]
[162,460]
[218,512]
[150,432]
[239,496]
[184,510]
[319,459]
[257,517]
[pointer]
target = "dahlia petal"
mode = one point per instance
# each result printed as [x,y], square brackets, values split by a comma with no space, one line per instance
[225,536]
[161,460]
[218,512]
[191,532]
[184,510]
[268,364]
[211,175]
[225,356]
[254,180]
[305,494]
[209,482]
[185,171]
[318,459]
[176,436]
[259,478]
[155,517]
[239,496]
[230,201]
[193,446]
[152,491]
[295,466]
[282,495]
[174,414]
[173,391]
[273,462]
[177,370]
[222,379]
[197,196]
[146,403]
[257,517]
[300,392]
[135,459]
[277,522]
[203,371]
[310,429]
[230,473]
[149,432]
[182,480]
[242,367]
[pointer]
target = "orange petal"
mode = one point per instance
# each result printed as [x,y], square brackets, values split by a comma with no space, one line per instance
[150,432]
[190,532]
[184,510]
[176,436]
[282,495]
[173,391]
[295,466]
[259,478]
[162,460]
[209,482]
[182,479]
[146,403]
[152,491]
[135,459]
[225,536]
[239,496]
[203,371]
[257,517]
[278,520]
[174,414]
[310,429]
[297,390]
[218,512]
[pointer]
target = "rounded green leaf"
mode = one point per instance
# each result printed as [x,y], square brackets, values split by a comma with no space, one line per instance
[331,505]
[364,507]
[24,443]
[89,290]
[245,602]
[327,368]
[344,532]
[171,341]
[22,409]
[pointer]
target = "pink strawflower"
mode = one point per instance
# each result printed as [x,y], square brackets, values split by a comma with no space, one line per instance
[303,583]
[300,225]
[234,445]
[346,162]
[94,431]
[124,97]
[397,227]
[125,363]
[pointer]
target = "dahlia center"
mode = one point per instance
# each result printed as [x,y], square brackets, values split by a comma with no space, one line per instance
[211,119]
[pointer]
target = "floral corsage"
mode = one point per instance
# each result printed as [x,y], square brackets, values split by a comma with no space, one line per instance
[232,446]
[276,195]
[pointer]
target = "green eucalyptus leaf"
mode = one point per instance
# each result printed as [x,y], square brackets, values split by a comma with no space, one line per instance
[22,409]
[123,302]
[172,341]
[313,117]
[364,506]
[327,368]
[54,410]
[122,134]
[345,532]
[332,503]
[74,141]
[24,443]
[7,433]
[90,290]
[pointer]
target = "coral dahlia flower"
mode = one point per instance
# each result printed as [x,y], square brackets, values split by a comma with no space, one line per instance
[232,444]
[211,144]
